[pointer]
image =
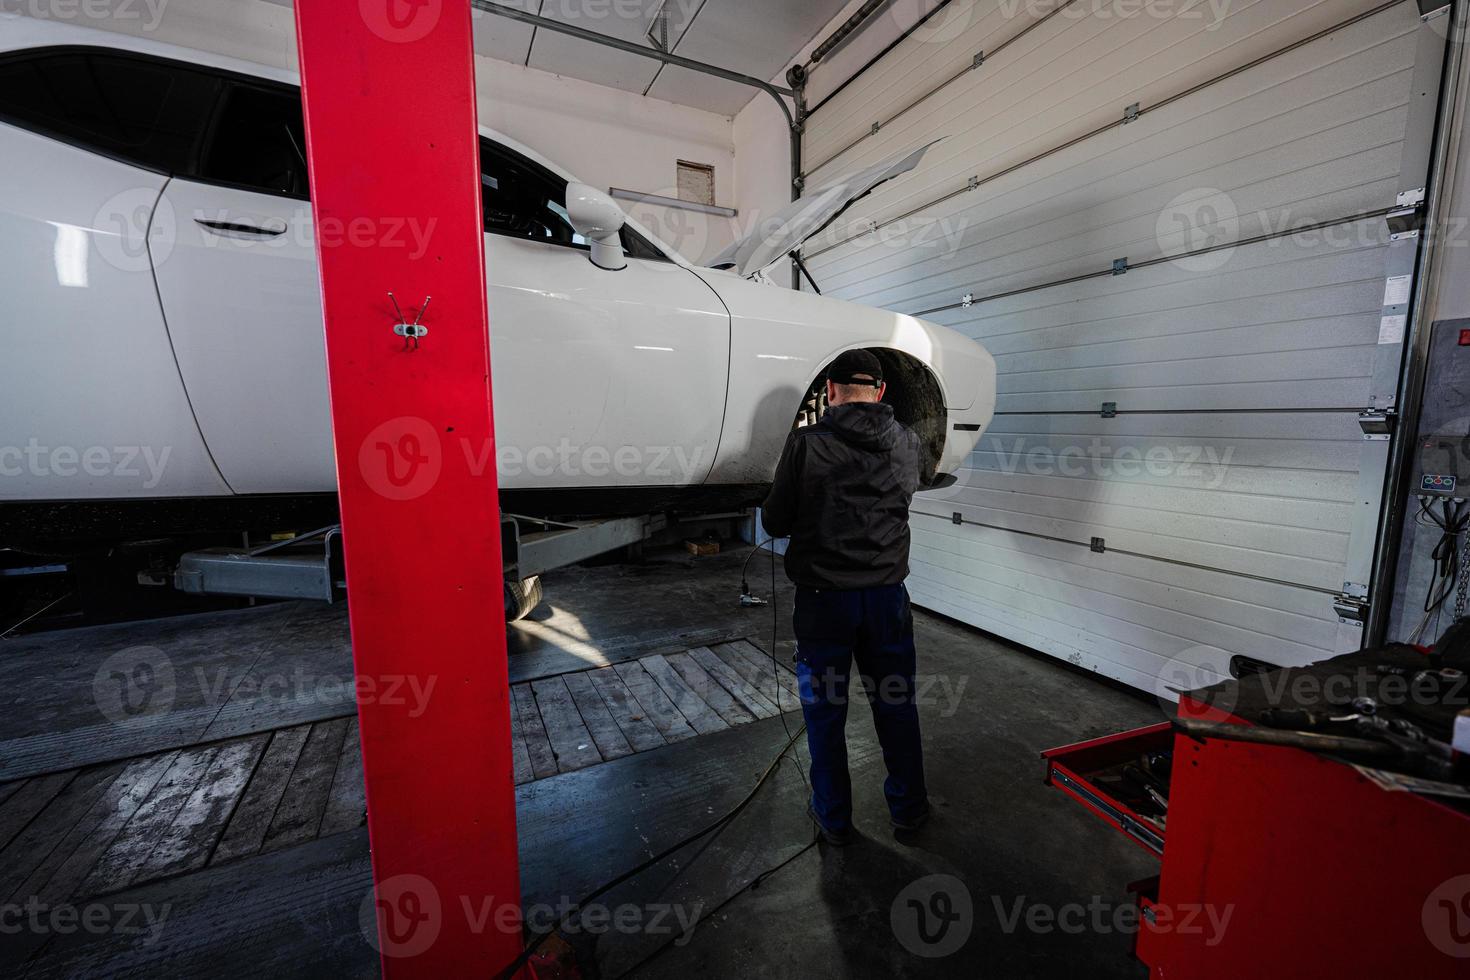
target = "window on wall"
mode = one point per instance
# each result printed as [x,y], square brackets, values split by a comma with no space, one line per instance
[696,183]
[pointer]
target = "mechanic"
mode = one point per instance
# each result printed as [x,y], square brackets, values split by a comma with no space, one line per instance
[841,493]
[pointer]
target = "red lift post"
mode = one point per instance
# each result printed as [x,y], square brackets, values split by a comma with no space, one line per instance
[392,140]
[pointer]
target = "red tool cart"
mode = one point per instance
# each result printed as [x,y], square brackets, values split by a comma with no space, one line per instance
[1300,862]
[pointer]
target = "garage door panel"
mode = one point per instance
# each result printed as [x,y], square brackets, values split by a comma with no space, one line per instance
[1176,613]
[1177,326]
[1168,533]
[1098,570]
[1307,572]
[1311,513]
[1158,455]
[1078,625]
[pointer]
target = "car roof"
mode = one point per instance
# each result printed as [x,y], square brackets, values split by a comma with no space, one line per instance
[19,33]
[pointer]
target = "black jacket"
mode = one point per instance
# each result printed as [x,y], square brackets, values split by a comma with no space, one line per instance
[842,493]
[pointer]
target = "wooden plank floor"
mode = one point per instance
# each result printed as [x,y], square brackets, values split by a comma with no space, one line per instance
[97,829]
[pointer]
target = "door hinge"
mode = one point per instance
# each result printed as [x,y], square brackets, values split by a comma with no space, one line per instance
[1351,604]
[1109,410]
[1099,546]
[1131,113]
[1120,266]
[1378,423]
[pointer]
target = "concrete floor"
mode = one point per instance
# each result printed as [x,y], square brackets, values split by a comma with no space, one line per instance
[1008,844]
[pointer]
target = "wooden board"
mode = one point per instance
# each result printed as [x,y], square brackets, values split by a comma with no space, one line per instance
[710,690]
[40,837]
[70,860]
[190,839]
[739,688]
[569,737]
[121,863]
[28,799]
[664,714]
[701,717]
[756,670]
[520,758]
[632,721]
[347,801]
[538,746]
[611,742]
[252,818]
[300,813]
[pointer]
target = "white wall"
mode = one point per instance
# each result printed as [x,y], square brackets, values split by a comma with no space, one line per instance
[607,137]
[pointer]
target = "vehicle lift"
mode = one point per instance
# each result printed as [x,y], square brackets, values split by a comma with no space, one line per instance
[309,566]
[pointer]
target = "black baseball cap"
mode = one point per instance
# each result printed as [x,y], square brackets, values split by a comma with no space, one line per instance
[855,367]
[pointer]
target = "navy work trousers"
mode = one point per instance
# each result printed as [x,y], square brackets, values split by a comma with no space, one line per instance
[873,627]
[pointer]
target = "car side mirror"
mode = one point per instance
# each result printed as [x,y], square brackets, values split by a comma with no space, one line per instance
[597,218]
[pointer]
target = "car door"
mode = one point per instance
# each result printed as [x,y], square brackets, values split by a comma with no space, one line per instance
[91,404]
[602,378]
[242,298]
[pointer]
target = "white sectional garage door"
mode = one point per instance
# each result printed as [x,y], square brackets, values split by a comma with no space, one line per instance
[1176,472]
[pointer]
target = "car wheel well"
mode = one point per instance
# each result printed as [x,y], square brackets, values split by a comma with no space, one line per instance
[913,391]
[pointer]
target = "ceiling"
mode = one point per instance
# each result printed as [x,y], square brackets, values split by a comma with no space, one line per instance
[754,37]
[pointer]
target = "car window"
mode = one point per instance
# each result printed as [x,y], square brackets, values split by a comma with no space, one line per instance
[133,109]
[523,199]
[258,141]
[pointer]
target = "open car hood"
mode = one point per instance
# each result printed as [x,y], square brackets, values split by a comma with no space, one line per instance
[785,231]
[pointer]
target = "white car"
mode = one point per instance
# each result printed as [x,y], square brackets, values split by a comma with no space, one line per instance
[163,365]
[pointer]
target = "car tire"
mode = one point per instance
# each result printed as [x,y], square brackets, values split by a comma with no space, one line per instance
[521,597]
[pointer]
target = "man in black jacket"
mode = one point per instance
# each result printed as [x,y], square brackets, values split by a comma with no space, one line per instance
[842,493]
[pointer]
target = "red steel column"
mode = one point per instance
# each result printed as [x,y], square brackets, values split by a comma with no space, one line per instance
[389,90]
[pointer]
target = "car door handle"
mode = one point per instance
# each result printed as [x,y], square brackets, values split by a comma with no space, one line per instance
[243,228]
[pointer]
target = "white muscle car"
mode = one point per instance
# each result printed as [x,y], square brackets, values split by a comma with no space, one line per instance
[163,365]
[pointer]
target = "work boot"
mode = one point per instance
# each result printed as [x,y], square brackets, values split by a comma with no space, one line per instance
[837,838]
[912,823]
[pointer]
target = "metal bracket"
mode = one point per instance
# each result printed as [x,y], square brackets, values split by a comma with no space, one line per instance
[1429,9]
[1109,410]
[1351,610]
[979,60]
[1120,266]
[958,518]
[1410,198]
[1099,546]
[974,182]
[967,301]
[1131,113]
[411,332]
[1405,222]
[874,131]
[1378,423]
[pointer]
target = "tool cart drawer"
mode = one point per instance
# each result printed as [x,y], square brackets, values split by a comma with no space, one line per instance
[1122,778]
